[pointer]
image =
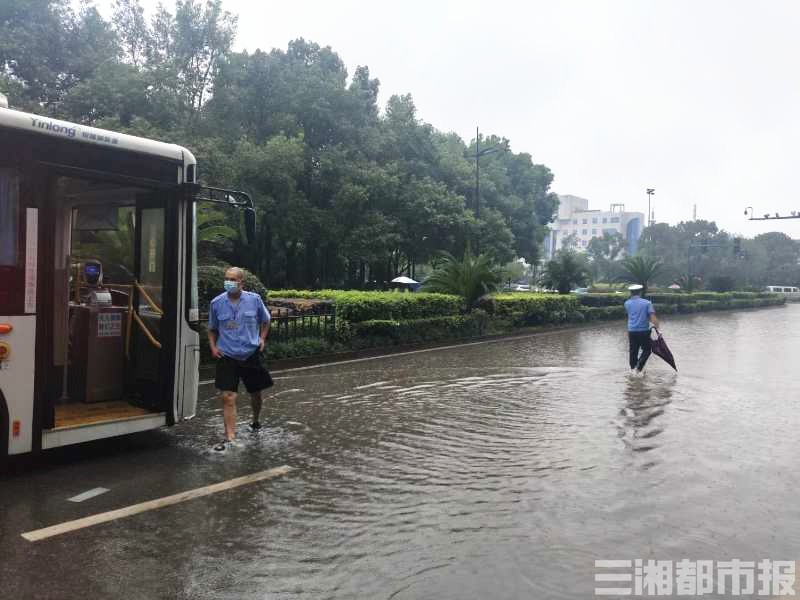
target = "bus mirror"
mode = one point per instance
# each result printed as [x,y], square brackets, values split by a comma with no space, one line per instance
[250,225]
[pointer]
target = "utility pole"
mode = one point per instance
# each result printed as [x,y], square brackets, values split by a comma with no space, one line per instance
[650,192]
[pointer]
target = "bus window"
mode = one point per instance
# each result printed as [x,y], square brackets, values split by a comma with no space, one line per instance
[10,268]
[9,220]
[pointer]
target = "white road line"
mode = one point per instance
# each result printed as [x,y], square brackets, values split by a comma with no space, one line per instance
[88,494]
[66,527]
[392,355]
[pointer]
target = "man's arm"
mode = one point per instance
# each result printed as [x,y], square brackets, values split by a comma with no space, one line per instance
[266,319]
[653,318]
[213,334]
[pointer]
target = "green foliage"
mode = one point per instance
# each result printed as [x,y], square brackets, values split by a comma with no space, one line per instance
[390,332]
[346,196]
[357,306]
[641,269]
[530,309]
[470,278]
[567,269]
[302,347]
[598,313]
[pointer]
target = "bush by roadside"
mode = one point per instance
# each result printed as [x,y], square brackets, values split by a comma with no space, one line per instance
[357,306]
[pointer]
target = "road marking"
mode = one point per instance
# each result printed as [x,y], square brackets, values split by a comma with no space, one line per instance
[88,494]
[112,515]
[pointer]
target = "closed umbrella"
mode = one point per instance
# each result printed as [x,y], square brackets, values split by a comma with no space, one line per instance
[660,348]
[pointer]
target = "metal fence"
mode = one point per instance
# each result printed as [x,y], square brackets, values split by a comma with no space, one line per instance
[286,327]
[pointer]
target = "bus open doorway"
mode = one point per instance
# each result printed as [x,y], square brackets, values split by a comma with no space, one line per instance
[108,307]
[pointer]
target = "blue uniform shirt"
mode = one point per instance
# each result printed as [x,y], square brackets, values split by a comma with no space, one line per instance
[238,326]
[639,311]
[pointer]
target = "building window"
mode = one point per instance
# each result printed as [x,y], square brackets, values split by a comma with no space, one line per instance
[583,231]
[585,221]
[605,220]
[594,231]
[615,219]
[574,221]
[594,221]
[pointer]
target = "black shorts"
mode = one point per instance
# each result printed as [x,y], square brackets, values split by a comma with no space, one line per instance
[250,370]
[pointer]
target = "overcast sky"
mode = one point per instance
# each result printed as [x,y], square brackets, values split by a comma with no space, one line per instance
[697,99]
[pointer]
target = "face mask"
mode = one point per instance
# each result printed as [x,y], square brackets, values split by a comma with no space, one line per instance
[231,286]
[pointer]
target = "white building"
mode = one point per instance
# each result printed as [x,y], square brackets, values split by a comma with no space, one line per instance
[575,217]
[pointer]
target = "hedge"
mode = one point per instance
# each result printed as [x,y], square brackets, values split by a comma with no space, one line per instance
[389,332]
[688,304]
[531,309]
[357,306]
[670,298]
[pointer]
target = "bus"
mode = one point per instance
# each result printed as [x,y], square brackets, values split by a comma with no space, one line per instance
[99,311]
[790,292]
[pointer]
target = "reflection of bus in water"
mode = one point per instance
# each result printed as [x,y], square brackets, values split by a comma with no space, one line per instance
[98,286]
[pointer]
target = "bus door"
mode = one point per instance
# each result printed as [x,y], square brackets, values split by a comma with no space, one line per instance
[146,343]
[19,226]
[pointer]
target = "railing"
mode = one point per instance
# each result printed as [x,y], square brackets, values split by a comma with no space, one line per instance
[286,327]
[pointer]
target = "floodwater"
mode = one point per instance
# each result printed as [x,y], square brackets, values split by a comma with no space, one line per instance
[495,470]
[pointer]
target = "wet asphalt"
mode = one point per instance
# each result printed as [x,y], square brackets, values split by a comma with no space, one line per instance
[500,469]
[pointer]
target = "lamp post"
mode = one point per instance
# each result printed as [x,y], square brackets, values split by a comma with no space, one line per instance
[650,192]
[478,153]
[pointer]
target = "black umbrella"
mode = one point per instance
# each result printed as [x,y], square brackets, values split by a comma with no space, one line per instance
[660,348]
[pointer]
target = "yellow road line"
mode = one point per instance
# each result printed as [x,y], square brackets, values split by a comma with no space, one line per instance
[112,515]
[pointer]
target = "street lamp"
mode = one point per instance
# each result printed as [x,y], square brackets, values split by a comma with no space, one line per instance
[503,147]
[650,192]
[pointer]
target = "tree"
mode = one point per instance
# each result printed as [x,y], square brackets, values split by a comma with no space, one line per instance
[641,269]
[46,49]
[602,251]
[344,194]
[470,278]
[567,269]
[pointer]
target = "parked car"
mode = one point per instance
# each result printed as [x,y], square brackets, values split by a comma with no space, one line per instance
[580,291]
[522,287]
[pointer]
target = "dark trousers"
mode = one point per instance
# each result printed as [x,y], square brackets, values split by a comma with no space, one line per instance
[639,340]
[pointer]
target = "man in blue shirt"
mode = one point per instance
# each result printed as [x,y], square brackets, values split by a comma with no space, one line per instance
[641,315]
[238,324]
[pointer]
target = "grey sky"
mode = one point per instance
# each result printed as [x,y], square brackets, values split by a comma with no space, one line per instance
[697,99]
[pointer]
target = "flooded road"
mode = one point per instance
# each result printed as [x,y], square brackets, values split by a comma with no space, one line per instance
[493,470]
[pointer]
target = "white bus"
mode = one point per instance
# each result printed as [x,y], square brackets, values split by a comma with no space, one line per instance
[783,289]
[98,282]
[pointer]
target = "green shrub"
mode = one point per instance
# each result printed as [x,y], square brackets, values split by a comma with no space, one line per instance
[602,299]
[599,313]
[300,348]
[534,309]
[357,306]
[379,332]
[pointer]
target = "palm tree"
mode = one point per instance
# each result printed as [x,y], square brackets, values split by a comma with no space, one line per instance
[568,268]
[470,278]
[641,269]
